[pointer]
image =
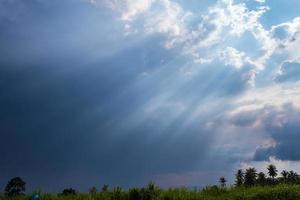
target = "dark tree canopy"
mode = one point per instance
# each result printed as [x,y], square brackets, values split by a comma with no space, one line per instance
[284,174]
[93,190]
[68,191]
[250,177]
[261,178]
[239,178]
[135,194]
[272,171]
[293,177]
[15,187]
[222,181]
[105,188]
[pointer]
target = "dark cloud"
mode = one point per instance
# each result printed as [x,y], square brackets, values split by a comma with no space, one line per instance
[278,124]
[57,121]
[290,72]
[286,135]
[64,111]
[287,144]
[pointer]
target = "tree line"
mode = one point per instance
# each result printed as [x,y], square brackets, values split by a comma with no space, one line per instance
[250,177]
[243,178]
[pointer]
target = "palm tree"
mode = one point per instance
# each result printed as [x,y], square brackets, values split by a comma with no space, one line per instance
[250,176]
[293,177]
[272,171]
[261,178]
[222,181]
[284,175]
[239,178]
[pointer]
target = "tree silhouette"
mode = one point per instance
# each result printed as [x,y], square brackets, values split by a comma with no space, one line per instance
[272,171]
[293,177]
[239,178]
[222,181]
[261,178]
[15,187]
[93,191]
[284,175]
[135,194]
[68,191]
[105,188]
[250,176]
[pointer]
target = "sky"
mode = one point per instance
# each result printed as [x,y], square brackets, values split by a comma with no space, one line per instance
[123,92]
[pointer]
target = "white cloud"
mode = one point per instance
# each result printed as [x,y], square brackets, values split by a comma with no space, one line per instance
[286,31]
[134,7]
[274,95]
[128,9]
[167,18]
[224,20]
[231,20]
[268,46]
[260,1]
[233,57]
[214,33]
[287,35]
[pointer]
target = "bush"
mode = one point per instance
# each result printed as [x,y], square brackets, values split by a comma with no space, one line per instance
[278,193]
[135,194]
[69,191]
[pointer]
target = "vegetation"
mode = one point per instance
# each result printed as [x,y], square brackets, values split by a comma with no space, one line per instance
[15,187]
[68,191]
[249,185]
[222,182]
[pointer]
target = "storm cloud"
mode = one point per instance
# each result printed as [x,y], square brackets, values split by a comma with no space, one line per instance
[285,135]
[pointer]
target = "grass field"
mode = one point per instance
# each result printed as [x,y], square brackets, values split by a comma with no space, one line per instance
[278,192]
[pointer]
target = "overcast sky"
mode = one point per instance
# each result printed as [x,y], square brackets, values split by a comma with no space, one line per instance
[122,92]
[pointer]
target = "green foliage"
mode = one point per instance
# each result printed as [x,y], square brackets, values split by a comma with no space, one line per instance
[277,192]
[135,194]
[151,192]
[118,194]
